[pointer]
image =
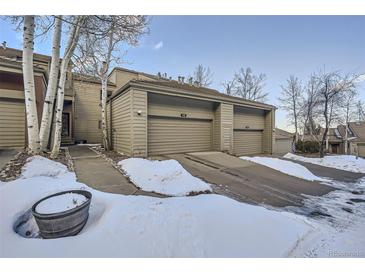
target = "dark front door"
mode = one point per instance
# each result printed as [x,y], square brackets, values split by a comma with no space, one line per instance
[65,124]
[335,148]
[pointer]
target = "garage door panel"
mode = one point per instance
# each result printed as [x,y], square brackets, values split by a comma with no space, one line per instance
[247,142]
[168,135]
[12,124]
[282,146]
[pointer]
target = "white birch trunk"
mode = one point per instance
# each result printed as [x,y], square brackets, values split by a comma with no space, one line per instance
[29,88]
[71,44]
[104,89]
[346,137]
[104,94]
[52,85]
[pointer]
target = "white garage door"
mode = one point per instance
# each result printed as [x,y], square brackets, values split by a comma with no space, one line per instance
[178,135]
[247,142]
[282,146]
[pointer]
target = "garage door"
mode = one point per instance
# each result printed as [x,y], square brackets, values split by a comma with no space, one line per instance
[178,135]
[361,149]
[282,146]
[12,124]
[247,142]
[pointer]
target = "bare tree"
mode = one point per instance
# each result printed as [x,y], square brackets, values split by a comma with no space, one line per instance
[309,108]
[203,76]
[99,47]
[72,41]
[52,85]
[332,86]
[250,86]
[291,99]
[29,88]
[360,109]
[229,86]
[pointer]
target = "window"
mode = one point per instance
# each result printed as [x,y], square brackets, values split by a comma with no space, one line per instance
[99,124]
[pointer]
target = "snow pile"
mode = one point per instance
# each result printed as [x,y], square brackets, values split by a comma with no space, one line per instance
[343,162]
[165,177]
[137,226]
[41,166]
[286,167]
[60,203]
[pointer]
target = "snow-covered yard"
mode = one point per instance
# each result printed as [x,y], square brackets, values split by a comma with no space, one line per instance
[164,177]
[343,162]
[206,225]
[286,167]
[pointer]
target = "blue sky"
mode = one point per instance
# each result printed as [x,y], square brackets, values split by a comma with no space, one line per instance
[275,45]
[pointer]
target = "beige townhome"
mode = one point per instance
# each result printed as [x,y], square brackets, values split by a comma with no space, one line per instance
[147,114]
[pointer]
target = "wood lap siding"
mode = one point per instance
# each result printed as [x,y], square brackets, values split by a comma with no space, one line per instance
[139,123]
[170,106]
[121,123]
[268,136]
[248,118]
[227,127]
[87,112]
[12,124]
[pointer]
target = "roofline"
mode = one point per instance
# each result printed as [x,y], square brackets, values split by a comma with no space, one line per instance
[35,54]
[182,92]
[133,71]
[77,77]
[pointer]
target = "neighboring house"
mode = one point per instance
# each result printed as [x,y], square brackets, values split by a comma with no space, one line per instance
[335,142]
[283,141]
[147,114]
[356,137]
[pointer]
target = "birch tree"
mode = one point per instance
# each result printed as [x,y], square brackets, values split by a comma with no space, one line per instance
[52,85]
[291,97]
[29,88]
[250,86]
[99,46]
[72,41]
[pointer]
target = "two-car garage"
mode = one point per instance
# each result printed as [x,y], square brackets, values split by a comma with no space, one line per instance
[150,119]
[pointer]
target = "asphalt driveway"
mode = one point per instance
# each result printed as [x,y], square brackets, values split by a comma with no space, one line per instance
[249,182]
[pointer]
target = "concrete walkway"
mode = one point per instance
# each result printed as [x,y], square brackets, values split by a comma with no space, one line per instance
[94,171]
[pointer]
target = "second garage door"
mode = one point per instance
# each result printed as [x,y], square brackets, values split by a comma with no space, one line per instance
[282,146]
[178,135]
[247,142]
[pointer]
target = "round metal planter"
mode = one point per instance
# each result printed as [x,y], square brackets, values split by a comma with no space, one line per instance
[66,223]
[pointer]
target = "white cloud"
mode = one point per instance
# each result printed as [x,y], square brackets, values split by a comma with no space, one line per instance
[158,46]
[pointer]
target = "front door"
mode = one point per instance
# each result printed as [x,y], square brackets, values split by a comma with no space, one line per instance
[65,124]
